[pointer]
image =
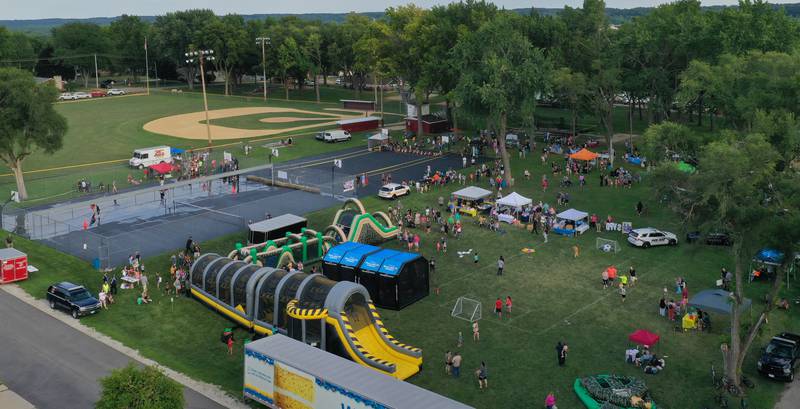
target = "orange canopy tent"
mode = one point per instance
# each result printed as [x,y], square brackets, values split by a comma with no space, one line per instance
[584,154]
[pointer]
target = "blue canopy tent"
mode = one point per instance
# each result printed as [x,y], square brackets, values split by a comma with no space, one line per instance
[766,263]
[394,279]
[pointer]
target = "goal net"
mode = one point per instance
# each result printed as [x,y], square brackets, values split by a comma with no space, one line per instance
[467,309]
[607,246]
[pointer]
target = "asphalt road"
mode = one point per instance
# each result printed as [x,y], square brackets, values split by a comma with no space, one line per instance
[53,365]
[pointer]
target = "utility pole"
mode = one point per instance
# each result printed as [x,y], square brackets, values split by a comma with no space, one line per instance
[146,67]
[264,41]
[203,56]
[96,77]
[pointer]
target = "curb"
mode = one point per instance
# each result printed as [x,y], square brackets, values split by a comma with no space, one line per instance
[212,392]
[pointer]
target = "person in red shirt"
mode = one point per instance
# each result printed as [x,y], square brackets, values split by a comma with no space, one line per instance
[508,305]
[498,307]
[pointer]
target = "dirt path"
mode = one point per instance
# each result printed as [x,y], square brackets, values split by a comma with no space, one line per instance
[190,126]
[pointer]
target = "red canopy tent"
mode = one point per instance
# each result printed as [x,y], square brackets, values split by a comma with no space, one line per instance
[161,168]
[584,154]
[643,337]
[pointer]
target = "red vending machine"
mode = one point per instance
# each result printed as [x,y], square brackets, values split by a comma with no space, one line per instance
[15,266]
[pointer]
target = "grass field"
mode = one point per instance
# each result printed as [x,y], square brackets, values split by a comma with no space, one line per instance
[103,133]
[556,297]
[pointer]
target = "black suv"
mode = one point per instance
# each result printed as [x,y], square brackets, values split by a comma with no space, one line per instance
[780,358]
[73,298]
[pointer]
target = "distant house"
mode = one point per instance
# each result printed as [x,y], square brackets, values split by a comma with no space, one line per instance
[56,80]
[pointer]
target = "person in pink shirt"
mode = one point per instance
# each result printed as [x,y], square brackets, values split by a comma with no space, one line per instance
[550,401]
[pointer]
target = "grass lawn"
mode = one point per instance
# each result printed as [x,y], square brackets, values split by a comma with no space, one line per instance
[104,132]
[556,297]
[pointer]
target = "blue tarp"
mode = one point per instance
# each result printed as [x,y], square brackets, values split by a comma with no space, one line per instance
[392,266]
[354,256]
[175,151]
[769,256]
[335,254]
[374,261]
[635,160]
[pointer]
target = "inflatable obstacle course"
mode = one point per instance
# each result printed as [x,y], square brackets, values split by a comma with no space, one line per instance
[335,316]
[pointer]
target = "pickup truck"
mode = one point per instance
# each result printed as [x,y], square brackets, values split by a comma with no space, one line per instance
[779,358]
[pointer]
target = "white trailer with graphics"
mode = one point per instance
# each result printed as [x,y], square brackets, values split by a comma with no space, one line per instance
[283,373]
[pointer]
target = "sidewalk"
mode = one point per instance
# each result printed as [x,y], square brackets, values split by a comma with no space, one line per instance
[10,400]
[790,398]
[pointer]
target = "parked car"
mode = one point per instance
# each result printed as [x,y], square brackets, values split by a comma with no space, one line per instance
[97,93]
[116,91]
[719,239]
[107,83]
[82,95]
[67,96]
[334,136]
[73,298]
[393,190]
[649,236]
[779,358]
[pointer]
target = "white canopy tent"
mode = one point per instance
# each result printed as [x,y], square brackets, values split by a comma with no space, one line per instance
[514,200]
[572,215]
[377,141]
[472,193]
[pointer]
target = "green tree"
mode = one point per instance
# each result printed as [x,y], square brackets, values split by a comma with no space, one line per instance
[132,387]
[739,189]
[501,75]
[15,47]
[77,44]
[290,57]
[28,121]
[127,35]
[227,36]
[661,141]
[176,33]
[314,51]
[571,89]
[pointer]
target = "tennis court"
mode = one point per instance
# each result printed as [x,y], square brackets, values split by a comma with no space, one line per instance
[158,219]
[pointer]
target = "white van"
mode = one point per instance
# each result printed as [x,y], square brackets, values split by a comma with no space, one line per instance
[145,157]
[334,136]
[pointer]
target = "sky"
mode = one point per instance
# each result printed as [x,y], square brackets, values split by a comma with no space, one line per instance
[37,9]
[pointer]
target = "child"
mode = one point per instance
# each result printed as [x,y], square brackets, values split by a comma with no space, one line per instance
[622,291]
[448,362]
[158,281]
[476,333]
[475,258]
[498,308]
[576,251]
[460,339]
[508,305]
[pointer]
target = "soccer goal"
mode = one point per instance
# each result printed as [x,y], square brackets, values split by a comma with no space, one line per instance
[467,309]
[607,246]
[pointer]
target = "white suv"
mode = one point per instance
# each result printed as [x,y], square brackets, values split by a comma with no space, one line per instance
[116,91]
[393,190]
[649,236]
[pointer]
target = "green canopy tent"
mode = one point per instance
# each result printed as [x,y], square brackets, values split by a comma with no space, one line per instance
[685,167]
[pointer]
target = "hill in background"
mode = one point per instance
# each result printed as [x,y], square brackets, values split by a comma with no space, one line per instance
[615,15]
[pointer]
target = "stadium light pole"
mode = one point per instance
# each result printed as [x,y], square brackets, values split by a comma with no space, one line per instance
[202,56]
[264,41]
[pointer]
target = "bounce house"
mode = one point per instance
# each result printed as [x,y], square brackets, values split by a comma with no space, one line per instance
[353,223]
[394,279]
[338,317]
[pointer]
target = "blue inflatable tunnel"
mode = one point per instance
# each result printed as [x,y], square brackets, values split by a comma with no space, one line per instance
[394,279]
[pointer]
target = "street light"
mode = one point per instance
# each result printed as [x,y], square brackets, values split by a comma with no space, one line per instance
[202,56]
[264,41]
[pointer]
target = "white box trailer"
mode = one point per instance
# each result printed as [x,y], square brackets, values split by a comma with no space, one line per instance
[283,373]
